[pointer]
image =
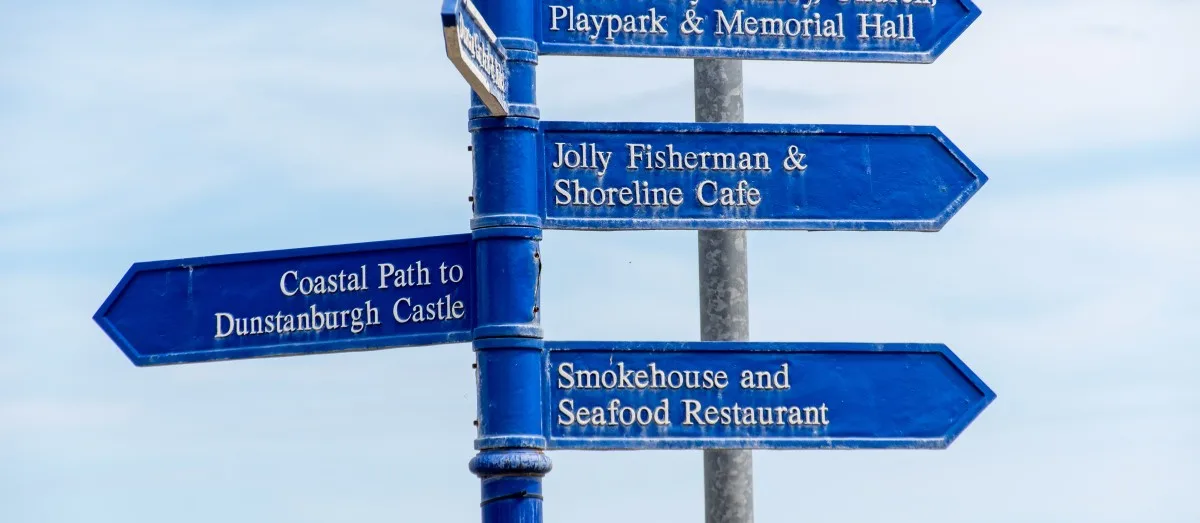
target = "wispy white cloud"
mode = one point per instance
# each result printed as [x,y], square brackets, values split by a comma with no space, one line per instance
[122,116]
[22,418]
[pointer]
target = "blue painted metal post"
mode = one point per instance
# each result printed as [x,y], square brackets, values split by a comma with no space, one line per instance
[507,229]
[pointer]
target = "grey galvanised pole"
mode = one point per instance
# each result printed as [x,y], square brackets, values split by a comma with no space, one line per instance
[724,301]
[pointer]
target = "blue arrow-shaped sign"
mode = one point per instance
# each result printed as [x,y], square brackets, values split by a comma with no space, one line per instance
[690,395]
[300,301]
[752,176]
[831,30]
[476,53]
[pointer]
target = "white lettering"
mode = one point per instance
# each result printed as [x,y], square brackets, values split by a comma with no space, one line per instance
[283,283]
[355,319]
[222,333]
[445,308]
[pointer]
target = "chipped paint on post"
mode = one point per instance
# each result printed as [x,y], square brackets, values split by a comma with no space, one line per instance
[752,176]
[688,395]
[915,31]
[298,301]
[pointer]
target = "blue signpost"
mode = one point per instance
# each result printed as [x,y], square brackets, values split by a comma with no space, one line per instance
[752,176]
[656,395]
[838,30]
[301,301]
[484,287]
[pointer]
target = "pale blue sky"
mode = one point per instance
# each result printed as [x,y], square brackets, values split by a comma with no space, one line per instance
[139,130]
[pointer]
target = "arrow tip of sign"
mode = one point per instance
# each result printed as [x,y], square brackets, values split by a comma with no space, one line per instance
[955,31]
[103,314]
[987,395]
[101,317]
[970,190]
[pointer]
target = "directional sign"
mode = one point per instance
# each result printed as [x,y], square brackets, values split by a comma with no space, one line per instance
[751,176]
[476,53]
[302,301]
[654,395]
[833,30]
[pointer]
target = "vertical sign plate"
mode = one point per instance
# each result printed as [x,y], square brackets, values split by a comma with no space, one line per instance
[476,53]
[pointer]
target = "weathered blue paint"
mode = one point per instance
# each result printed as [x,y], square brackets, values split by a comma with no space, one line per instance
[474,50]
[828,30]
[832,395]
[799,177]
[507,230]
[185,311]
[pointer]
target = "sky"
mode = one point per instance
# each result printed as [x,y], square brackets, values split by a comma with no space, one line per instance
[138,130]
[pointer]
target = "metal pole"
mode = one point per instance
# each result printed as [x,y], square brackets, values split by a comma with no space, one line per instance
[724,301]
[507,230]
